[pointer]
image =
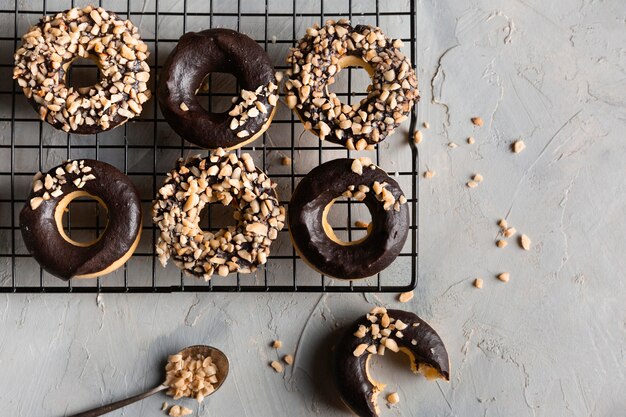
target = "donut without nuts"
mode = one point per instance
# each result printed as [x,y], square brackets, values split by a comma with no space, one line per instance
[219,178]
[373,334]
[321,54]
[314,238]
[50,47]
[42,226]
[218,50]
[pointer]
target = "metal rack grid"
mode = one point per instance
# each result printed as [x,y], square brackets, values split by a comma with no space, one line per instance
[146,148]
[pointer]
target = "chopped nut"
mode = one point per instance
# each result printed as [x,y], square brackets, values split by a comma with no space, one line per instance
[164,406]
[501,243]
[183,106]
[524,242]
[518,146]
[472,184]
[478,283]
[277,366]
[477,121]
[357,167]
[285,160]
[393,398]
[391,345]
[277,344]
[426,125]
[504,277]
[452,145]
[405,296]
[35,202]
[360,223]
[288,359]
[429,174]
[509,232]
[179,411]
[478,178]
[502,223]
[418,137]
[360,349]
[471,140]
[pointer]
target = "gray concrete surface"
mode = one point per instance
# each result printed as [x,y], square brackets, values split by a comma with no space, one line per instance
[551,342]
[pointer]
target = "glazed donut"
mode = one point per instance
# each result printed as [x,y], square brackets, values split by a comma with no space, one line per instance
[218,50]
[321,54]
[219,178]
[41,219]
[49,48]
[373,334]
[314,238]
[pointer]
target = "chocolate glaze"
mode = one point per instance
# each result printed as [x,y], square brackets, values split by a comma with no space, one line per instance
[65,260]
[196,55]
[115,119]
[388,230]
[355,388]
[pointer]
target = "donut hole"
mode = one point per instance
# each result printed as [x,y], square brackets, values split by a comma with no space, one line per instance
[339,221]
[216,216]
[83,218]
[83,72]
[217,92]
[352,80]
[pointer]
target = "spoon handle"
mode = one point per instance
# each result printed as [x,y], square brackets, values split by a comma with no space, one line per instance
[119,404]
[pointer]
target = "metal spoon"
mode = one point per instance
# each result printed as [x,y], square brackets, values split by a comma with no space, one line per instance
[219,359]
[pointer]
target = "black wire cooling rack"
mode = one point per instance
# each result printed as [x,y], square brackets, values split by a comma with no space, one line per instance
[146,148]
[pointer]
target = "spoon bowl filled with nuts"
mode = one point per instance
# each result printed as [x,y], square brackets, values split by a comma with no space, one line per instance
[196,372]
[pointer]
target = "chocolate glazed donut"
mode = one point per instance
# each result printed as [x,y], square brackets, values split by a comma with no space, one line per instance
[314,238]
[218,50]
[42,228]
[382,329]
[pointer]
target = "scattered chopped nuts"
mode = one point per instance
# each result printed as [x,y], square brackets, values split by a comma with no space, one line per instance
[471,140]
[501,243]
[504,277]
[478,283]
[393,398]
[418,137]
[405,297]
[524,242]
[277,344]
[288,359]
[277,366]
[518,146]
[477,121]
[429,174]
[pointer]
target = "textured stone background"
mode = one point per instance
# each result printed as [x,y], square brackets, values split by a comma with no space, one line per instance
[551,342]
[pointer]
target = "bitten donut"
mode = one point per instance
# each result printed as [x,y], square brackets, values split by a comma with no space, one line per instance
[313,236]
[382,330]
[218,50]
[41,219]
[321,54]
[219,178]
[50,47]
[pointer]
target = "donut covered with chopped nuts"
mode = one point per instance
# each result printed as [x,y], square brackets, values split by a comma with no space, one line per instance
[50,47]
[198,54]
[316,60]
[41,219]
[313,236]
[377,332]
[225,179]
